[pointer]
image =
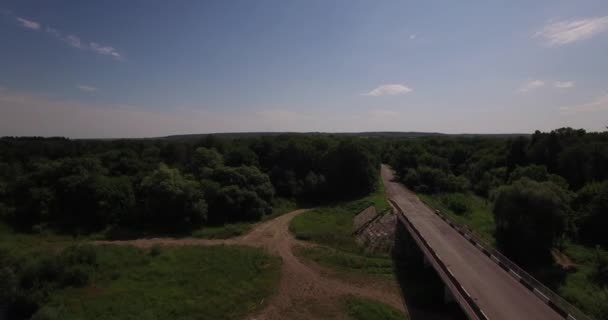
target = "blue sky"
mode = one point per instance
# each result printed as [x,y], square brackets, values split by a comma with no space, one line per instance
[153,68]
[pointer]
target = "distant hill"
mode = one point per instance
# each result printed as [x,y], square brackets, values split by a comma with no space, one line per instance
[373,134]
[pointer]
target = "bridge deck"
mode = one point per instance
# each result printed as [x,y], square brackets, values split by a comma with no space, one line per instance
[497,293]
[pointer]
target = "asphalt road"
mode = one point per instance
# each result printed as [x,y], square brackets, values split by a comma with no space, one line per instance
[496,292]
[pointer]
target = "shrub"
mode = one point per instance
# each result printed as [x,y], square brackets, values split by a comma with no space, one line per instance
[456,202]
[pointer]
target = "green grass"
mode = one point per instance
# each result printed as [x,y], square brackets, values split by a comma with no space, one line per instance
[332,226]
[349,262]
[479,218]
[220,282]
[378,197]
[363,309]
[24,243]
[580,287]
[280,206]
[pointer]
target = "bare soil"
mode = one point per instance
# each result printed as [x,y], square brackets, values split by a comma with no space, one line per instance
[305,291]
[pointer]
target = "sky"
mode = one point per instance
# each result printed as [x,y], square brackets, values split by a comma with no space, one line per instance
[108,69]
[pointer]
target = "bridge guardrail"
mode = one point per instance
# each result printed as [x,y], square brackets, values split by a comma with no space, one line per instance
[556,302]
[472,304]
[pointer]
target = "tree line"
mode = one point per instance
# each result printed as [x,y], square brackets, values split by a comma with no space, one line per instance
[82,186]
[545,188]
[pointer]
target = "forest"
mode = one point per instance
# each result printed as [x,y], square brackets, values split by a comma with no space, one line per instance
[545,187]
[83,186]
[543,191]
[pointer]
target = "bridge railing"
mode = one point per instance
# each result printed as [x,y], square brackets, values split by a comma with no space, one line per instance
[468,304]
[559,304]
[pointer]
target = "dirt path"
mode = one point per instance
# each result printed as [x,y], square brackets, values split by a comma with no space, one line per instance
[304,292]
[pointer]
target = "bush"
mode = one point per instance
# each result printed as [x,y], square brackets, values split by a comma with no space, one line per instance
[456,202]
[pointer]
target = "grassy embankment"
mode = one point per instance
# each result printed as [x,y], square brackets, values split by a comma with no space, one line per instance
[578,286]
[479,216]
[331,228]
[363,309]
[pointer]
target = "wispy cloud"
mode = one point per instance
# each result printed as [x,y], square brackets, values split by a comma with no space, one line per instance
[568,31]
[70,39]
[599,104]
[74,41]
[413,36]
[77,42]
[389,90]
[28,23]
[564,84]
[105,50]
[531,85]
[85,88]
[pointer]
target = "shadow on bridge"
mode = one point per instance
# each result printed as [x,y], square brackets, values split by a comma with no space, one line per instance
[420,285]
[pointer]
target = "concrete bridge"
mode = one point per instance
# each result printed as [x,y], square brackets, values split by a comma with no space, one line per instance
[484,283]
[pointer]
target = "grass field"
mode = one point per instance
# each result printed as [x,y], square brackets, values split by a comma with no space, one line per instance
[580,286]
[349,262]
[23,243]
[363,309]
[479,216]
[220,282]
[331,227]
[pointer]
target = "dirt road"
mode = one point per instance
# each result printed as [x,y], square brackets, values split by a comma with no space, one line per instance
[304,291]
[497,293]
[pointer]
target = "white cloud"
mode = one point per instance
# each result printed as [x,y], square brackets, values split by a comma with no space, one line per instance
[389,90]
[568,31]
[531,85]
[86,88]
[28,23]
[71,39]
[564,84]
[599,104]
[105,50]
[413,36]
[74,41]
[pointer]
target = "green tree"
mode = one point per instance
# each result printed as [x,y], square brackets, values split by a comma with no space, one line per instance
[530,216]
[172,200]
[205,159]
[351,169]
[591,203]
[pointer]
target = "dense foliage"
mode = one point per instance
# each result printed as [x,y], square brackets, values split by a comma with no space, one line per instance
[25,284]
[82,186]
[545,187]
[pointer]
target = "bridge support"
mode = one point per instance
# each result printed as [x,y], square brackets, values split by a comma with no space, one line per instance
[447,295]
[426,262]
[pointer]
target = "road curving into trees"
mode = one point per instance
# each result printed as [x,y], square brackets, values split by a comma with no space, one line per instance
[496,292]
